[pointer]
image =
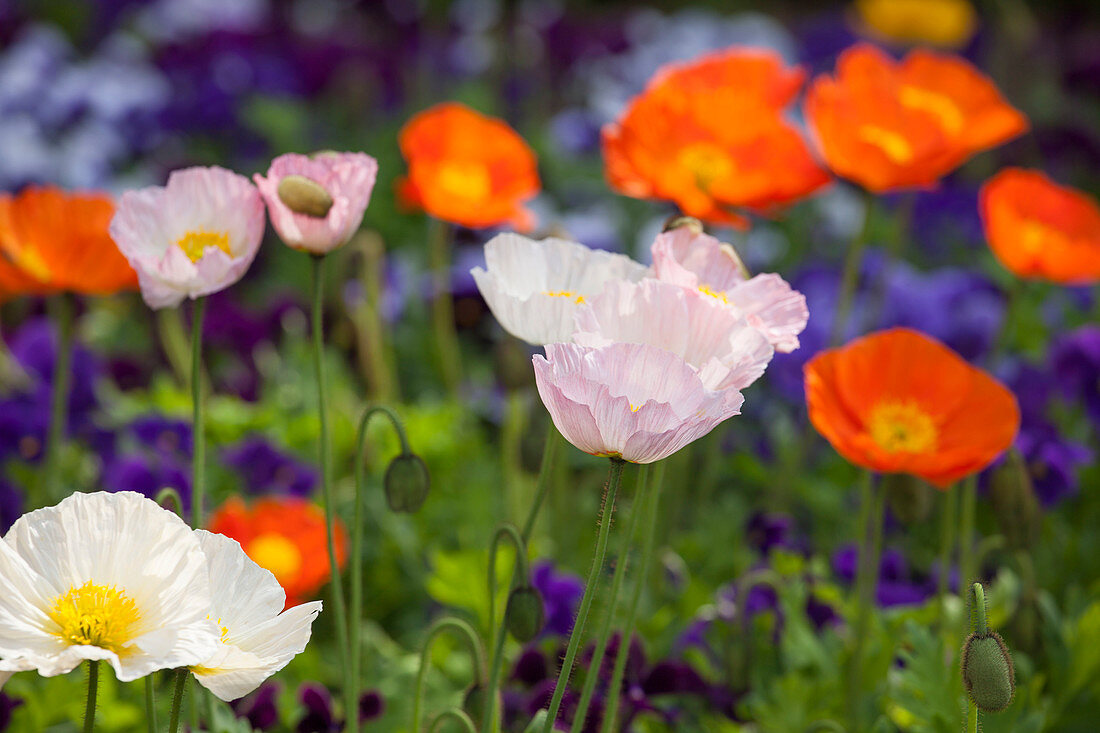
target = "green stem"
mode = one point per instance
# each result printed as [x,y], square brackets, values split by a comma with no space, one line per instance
[967,570]
[467,634]
[947,544]
[356,614]
[456,715]
[977,610]
[604,632]
[546,470]
[150,704]
[853,260]
[971,717]
[62,308]
[443,317]
[867,570]
[168,495]
[198,426]
[177,700]
[93,688]
[173,340]
[350,702]
[611,706]
[607,511]
[511,435]
[379,349]
[519,576]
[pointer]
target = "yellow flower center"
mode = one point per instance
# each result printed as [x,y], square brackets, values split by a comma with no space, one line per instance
[936,104]
[942,22]
[465,180]
[276,553]
[716,294]
[564,294]
[1033,236]
[896,147]
[96,615]
[194,244]
[707,162]
[902,427]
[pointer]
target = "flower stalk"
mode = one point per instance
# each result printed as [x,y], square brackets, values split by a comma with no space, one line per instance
[467,634]
[93,688]
[607,512]
[519,577]
[443,317]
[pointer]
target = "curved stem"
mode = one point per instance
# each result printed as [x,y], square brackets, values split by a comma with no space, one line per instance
[171,496]
[967,570]
[177,700]
[350,699]
[611,706]
[93,688]
[150,704]
[604,632]
[456,715]
[443,317]
[467,634]
[198,427]
[356,608]
[61,307]
[519,576]
[853,261]
[546,469]
[607,511]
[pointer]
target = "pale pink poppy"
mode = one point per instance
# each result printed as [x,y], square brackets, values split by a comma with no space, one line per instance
[630,401]
[194,236]
[347,178]
[709,335]
[698,261]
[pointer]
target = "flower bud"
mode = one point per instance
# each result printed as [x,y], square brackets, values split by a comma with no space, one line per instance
[675,222]
[407,483]
[1014,502]
[524,616]
[475,701]
[987,672]
[304,196]
[910,497]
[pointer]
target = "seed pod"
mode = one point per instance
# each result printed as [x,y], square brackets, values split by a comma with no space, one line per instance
[987,672]
[304,196]
[910,497]
[407,483]
[524,615]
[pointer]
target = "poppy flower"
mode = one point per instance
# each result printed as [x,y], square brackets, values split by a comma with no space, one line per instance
[102,576]
[691,259]
[676,142]
[1038,229]
[890,125]
[467,168]
[898,401]
[343,180]
[946,23]
[192,237]
[636,402]
[712,337]
[534,287]
[258,638]
[286,536]
[52,241]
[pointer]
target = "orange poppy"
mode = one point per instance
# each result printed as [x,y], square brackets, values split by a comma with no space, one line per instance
[709,135]
[58,241]
[1038,229]
[467,168]
[898,401]
[888,125]
[285,535]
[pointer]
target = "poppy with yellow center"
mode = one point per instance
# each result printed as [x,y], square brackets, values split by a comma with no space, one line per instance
[898,401]
[96,615]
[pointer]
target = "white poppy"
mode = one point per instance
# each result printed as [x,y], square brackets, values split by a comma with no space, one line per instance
[258,638]
[534,287]
[103,576]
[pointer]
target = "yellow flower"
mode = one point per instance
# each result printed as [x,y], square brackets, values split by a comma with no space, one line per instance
[947,23]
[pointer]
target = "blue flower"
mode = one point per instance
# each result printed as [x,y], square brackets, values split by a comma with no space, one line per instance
[561,594]
[267,470]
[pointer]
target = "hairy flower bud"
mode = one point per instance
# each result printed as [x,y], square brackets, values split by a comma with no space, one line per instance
[407,483]
[987,672]
[524,616]
[304,196]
